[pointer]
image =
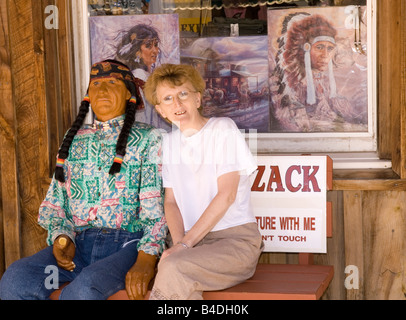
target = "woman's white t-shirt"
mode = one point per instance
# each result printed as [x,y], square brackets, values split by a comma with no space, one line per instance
[192,165]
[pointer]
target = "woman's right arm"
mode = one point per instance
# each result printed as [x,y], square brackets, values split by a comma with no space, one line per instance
[173,216]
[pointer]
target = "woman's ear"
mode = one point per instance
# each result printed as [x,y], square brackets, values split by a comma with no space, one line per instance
[198,100]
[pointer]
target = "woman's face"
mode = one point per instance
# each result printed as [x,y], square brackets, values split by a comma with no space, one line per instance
[321,54]
[149,52]
[179,104]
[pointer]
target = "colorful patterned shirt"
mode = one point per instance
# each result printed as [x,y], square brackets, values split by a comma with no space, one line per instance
[92,198]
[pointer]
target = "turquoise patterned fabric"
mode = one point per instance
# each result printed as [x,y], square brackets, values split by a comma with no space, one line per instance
[92,198]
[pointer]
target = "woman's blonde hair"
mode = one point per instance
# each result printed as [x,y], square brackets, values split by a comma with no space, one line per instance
[174,75]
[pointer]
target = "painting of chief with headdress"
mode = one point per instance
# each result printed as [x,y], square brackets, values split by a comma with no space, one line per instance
[318,70]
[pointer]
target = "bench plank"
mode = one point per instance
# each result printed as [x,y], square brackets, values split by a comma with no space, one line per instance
[270,282]
[280,282]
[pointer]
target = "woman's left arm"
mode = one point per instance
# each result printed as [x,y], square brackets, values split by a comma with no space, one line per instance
[227,185]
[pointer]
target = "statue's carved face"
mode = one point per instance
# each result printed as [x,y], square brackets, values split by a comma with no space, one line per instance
[108,97]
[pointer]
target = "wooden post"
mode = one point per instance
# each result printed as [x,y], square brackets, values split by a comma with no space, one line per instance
[35,112]
[391,83]
[354,240]
[24,114]
[10,229]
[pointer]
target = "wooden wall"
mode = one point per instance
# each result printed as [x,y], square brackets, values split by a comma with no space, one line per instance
[36,108]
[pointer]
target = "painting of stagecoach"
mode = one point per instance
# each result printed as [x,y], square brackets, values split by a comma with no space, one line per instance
[236,71]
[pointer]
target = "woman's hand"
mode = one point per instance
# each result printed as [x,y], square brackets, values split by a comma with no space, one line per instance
[177,247]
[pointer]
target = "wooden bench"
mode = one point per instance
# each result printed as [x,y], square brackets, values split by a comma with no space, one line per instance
[302,281]
[270,282]
[279,282]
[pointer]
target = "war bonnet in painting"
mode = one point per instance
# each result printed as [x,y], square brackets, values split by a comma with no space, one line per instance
[313,74]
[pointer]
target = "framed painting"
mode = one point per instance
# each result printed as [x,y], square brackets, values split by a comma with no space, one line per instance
[236,73]
[142,42]
[322,80]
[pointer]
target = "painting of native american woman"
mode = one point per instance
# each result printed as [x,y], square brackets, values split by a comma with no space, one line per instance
[142,42]
[318,70]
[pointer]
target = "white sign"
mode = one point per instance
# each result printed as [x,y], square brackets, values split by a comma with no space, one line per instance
[289,197]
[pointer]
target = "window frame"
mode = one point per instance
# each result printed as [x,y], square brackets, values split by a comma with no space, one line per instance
[355,151]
